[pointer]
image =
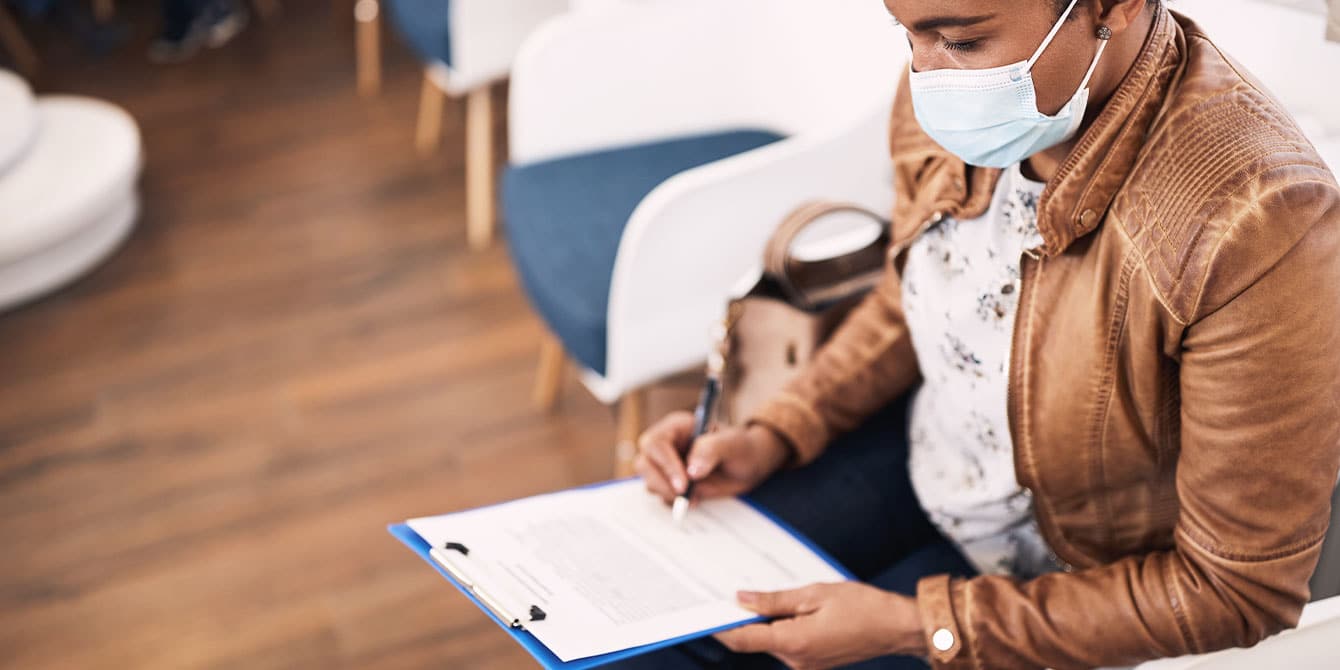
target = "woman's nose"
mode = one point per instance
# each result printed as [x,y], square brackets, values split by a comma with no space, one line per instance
[923,59]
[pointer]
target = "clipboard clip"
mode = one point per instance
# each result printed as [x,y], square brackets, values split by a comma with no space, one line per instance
[443,557]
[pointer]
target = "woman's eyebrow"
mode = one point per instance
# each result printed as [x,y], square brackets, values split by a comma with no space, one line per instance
[949,22]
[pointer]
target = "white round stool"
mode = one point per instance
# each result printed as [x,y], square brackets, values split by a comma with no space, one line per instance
[18,118]
[69,200]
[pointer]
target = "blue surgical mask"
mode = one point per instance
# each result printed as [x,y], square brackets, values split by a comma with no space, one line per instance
[990,117]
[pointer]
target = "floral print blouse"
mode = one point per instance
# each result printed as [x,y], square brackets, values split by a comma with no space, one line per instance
[960,293]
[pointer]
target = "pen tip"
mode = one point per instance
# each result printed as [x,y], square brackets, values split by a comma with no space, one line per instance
[679,509]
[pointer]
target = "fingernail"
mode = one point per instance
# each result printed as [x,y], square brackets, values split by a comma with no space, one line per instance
[679,484]
[695,470]
[746,597]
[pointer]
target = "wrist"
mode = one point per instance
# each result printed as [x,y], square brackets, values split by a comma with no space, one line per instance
[779,452]
[903,627]
[778,446]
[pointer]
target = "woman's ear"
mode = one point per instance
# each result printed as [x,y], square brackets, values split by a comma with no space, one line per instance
[1118,15]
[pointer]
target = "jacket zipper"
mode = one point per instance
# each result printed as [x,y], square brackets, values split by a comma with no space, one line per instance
[1013,409]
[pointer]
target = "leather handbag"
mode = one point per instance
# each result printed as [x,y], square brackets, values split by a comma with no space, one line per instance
[773,330]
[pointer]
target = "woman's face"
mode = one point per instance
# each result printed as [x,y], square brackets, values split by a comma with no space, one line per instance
[979,34]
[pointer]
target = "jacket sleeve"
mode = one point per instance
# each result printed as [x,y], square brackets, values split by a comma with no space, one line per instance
[1260,446]
[866,363]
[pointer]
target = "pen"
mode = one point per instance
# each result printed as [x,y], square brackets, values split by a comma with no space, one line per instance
[702,418]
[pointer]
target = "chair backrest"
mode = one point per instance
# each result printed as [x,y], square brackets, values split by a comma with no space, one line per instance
[792,66]
[486,34]
[817,63]
[663,68]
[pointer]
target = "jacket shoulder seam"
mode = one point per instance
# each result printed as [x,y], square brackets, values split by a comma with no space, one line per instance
[1243,77]
[1159,293]
[1197,308]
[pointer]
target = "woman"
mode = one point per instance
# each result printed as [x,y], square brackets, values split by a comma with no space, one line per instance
[1115,277]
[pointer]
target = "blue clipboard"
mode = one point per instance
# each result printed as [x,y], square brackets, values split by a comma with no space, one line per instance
[547,658]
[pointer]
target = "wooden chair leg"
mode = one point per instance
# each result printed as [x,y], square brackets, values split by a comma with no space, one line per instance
[367,47]
[632,407]
[479,172]
[25,58]
[428,135]
[104,10]
[549,376]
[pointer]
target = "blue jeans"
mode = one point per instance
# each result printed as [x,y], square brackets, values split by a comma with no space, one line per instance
[857,503]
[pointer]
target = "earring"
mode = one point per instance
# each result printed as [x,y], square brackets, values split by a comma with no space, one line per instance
[1104,33]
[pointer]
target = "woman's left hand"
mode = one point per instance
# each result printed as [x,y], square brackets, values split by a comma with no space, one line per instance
[828,625]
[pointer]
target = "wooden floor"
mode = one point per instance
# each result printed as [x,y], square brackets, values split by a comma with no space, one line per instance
[202,442]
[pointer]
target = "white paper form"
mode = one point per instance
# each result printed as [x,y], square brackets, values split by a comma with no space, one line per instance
[612,571]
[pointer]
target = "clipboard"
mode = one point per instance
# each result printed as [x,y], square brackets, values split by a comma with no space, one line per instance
[514,622]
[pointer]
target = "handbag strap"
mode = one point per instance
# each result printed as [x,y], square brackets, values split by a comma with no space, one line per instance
[788,270]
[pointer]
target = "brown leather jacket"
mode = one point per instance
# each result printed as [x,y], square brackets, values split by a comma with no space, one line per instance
[1174,388]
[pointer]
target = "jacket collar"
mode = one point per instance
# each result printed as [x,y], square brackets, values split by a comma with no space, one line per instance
[1077,198]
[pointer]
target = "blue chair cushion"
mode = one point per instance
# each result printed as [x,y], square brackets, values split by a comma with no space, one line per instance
[565,217]
[425,25]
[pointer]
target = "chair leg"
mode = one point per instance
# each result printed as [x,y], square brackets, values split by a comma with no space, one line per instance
[104,10]
[479,172]
[632,407]
[549,376]
[25,58]
[428,135]
[367,47]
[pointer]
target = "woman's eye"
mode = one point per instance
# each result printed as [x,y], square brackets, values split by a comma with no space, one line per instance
[952,45]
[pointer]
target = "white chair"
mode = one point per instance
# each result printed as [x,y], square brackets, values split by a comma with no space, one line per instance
[730,112]
[466,46]
[1284,46]
[67,197]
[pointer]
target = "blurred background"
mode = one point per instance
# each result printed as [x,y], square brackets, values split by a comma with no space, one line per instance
[203,437]
[275,274]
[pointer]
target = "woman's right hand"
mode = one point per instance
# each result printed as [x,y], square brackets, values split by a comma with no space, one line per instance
[724,463]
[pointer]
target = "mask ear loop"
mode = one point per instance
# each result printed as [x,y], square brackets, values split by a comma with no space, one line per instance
[1104,35]
[1056,28]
